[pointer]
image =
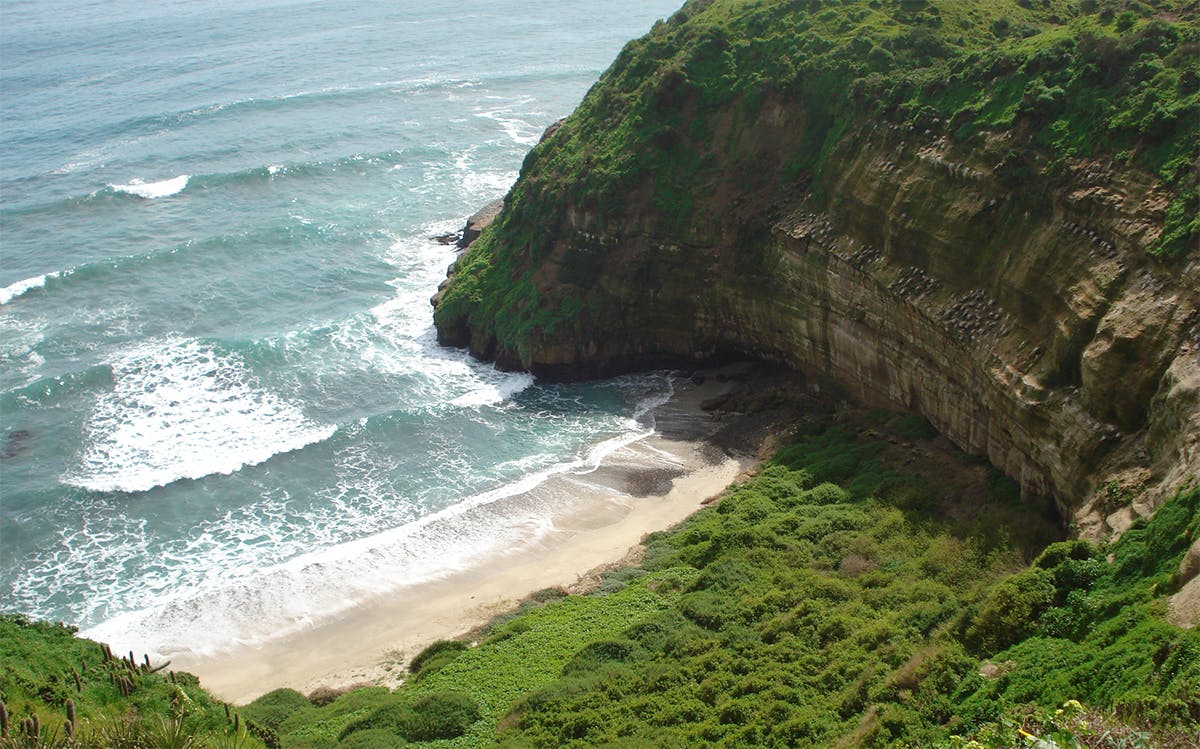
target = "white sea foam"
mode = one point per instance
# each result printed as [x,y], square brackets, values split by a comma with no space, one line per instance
[489,394]
[180,409]
[400,338]
[517,129]
[14,290]
[266,603]
[152,190]
[489,183]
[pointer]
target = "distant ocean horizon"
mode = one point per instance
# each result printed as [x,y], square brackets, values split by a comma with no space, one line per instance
[223,411]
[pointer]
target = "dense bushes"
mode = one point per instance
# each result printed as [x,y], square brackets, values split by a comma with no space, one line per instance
[816,616]
[434,657]
[859,591]
[274,707]
[1101,637]
[438,715]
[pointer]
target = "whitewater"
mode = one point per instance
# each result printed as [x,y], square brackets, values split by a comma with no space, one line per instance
[223,411]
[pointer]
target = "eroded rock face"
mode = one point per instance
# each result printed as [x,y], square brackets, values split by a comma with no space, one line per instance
[478,221]
[1025,321]
[1184,607]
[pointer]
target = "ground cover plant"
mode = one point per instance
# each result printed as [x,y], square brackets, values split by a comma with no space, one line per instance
[837,601]
[866,588]
[57,690]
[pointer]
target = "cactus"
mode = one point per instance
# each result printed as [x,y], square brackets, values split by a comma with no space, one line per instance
[31,727]
[78,681]
[69,726]
[3,720]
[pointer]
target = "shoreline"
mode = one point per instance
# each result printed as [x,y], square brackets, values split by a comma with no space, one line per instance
[647,486]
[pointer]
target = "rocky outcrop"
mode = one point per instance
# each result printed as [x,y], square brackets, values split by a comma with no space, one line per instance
[479,221]
[1011,301]
[1184,608]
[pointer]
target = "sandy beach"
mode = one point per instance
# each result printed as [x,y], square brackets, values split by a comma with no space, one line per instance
[646,486]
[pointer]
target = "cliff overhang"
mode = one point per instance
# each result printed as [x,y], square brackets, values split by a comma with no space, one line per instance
[1016,297]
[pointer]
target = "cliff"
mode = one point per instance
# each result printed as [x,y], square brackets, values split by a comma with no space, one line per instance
[985,214]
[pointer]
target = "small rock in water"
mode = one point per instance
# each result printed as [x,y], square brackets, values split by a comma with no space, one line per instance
[14,443]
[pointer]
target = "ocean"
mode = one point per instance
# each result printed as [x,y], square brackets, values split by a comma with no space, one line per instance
[223,412]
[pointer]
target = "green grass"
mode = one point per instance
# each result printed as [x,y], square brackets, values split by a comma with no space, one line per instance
[821,615]
[45,667]
[517,657]
[846,595]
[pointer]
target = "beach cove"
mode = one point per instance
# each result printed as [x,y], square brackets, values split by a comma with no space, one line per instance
[646,486]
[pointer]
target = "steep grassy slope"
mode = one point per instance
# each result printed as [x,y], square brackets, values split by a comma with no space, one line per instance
[864,615]
[867,588]
[983,212]
[60,691]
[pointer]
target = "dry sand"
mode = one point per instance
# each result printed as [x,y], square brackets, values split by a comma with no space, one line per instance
[644,487]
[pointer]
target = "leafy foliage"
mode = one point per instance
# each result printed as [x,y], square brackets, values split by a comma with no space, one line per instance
[816,616]
[79,695]
[860,590]
[437,655]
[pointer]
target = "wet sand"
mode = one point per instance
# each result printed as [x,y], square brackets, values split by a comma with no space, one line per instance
[595,519]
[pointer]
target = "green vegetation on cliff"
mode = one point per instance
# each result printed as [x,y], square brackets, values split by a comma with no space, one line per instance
[62,692]
[861,590]
[672,125]
[866,587]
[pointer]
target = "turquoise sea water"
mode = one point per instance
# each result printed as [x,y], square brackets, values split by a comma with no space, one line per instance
[222,409]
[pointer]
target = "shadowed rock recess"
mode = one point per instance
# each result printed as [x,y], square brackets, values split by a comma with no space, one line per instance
[979,219]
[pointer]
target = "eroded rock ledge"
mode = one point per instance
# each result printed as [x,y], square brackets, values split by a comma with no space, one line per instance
[1039,334]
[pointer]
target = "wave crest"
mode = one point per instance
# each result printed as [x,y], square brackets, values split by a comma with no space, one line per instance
[183,410]
[14,290]
[152,190]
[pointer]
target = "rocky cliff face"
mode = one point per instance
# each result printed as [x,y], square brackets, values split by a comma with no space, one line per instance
[1010,301]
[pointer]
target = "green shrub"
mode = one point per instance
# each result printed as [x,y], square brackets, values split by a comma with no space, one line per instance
[374,738]
[394,717]
[274,707]
[1011,611]
[597,655]
[441,715]
[436,656]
